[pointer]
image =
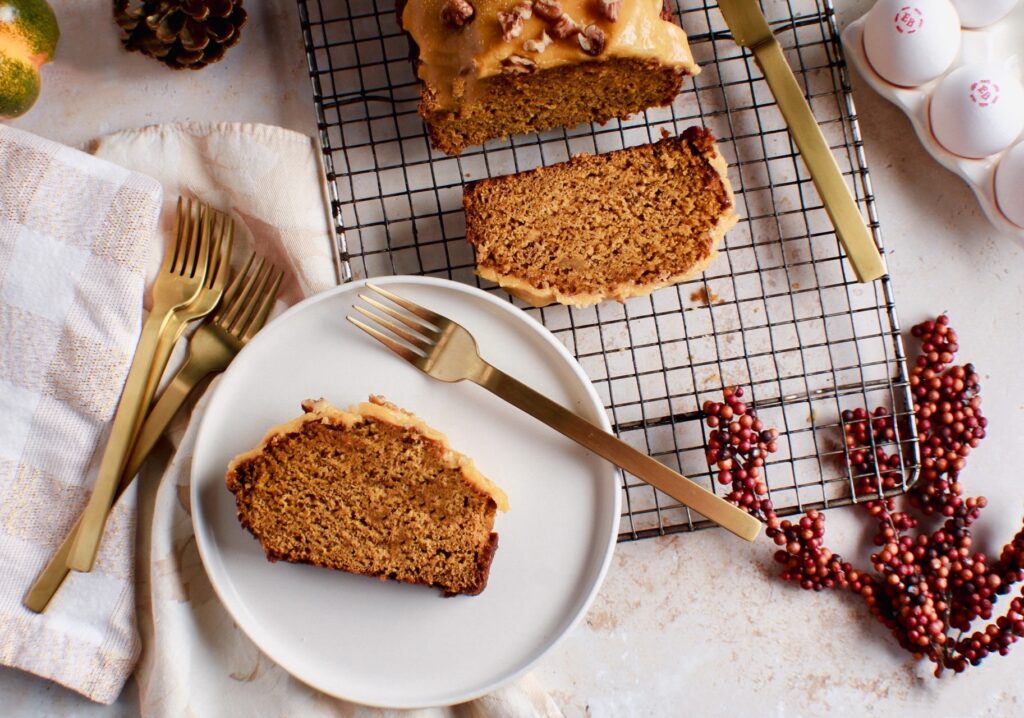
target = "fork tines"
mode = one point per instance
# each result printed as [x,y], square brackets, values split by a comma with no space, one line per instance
[249,298]
[423,323]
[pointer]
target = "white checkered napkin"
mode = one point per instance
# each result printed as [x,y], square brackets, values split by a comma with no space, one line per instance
[75,235]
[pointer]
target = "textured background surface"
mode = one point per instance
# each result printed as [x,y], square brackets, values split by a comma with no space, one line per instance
[695,623]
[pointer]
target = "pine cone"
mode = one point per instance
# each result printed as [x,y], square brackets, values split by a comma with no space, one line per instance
[180,33]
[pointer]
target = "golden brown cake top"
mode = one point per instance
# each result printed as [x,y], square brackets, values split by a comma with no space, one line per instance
[384,411]
[461,41]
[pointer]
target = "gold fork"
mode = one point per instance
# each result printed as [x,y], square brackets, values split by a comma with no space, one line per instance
[243,312]
[246,304]
[447,351]
[179,283]
[222,229]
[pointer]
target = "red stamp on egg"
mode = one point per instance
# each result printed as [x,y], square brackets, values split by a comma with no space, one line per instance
[984,93]
[908,20]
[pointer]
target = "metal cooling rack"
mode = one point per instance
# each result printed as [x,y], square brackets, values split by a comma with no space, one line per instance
[779,312]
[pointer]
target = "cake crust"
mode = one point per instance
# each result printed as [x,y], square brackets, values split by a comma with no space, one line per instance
[546,279]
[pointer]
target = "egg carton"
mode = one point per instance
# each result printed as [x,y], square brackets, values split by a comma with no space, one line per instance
[997,44]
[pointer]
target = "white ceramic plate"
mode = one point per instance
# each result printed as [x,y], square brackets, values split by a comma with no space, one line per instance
[384,643]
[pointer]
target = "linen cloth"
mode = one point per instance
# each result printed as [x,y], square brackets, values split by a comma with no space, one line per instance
[195,661]
[75,239]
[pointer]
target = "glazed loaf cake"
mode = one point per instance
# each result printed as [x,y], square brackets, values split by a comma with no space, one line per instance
[492,68]
[608,226]
[371,490]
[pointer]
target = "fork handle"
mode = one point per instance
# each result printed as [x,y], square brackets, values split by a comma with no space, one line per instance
[619,453]
[166,407]
[188,378]
[169,337]
[122,431]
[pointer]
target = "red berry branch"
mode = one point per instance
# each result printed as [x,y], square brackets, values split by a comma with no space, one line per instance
[926,586]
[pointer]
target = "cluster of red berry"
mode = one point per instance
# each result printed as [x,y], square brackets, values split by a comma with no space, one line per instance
[737,447]
[925,587]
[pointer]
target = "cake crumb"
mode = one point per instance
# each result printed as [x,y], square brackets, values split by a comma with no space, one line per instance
[706,297]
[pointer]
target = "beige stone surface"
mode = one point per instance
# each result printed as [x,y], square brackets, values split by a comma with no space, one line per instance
[693,624]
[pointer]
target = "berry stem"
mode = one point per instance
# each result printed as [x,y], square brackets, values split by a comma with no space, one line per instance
[924,586]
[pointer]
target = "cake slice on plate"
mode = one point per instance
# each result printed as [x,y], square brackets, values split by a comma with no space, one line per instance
[492,68]
[371,490]
[608,226]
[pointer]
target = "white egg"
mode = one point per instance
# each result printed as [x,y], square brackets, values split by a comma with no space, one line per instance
[977,110]
[1010,185]
[979,13]
[911,42]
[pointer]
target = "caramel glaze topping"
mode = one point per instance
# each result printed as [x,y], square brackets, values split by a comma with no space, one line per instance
[463,41]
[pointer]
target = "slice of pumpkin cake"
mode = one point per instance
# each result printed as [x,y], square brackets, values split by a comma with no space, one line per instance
[493,68]
[608,226]
[370,490]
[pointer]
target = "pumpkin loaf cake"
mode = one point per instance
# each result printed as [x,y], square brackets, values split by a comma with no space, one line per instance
[608,226]
[492,68]
[371,490]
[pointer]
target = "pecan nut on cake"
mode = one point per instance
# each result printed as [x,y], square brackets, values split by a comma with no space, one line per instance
[492,68]
[371,490]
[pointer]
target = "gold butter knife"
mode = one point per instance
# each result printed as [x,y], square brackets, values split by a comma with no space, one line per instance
[750,29]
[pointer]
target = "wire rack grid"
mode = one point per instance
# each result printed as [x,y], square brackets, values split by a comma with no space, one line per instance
[778,313]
